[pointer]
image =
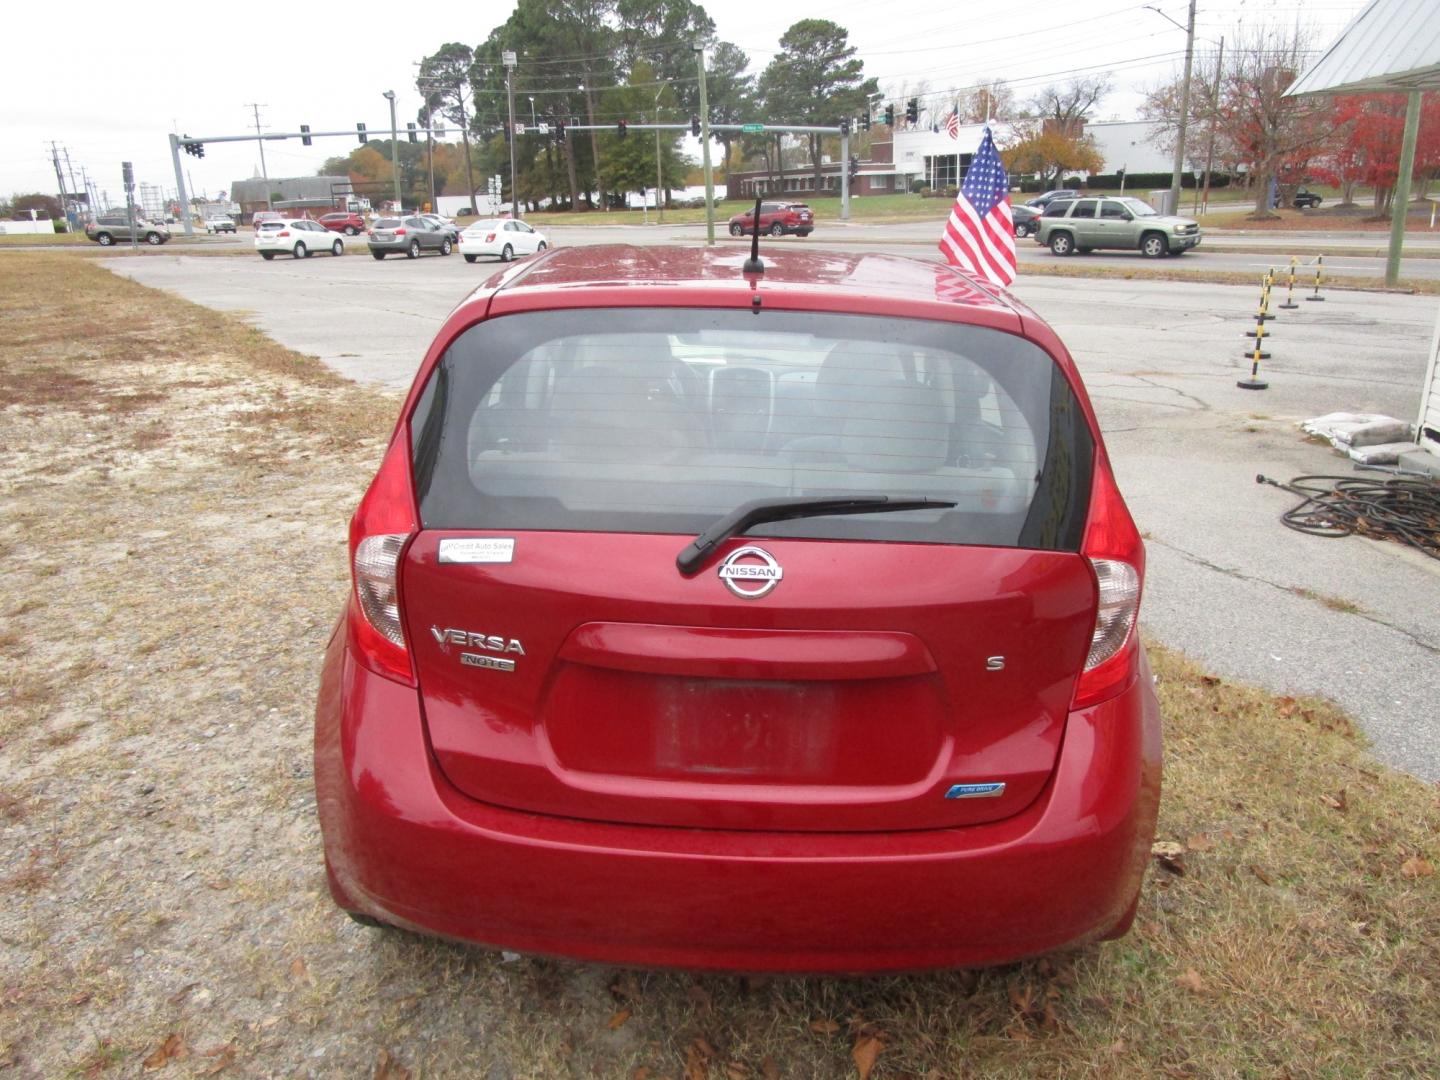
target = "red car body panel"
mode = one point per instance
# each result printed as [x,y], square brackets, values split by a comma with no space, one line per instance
[795,218]
[576,788]
[341,222]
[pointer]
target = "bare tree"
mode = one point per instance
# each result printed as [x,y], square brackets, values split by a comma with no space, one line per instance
[1066,106]
[988,98]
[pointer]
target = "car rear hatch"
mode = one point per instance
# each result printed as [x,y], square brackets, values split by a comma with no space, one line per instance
[871,672]
[385,230]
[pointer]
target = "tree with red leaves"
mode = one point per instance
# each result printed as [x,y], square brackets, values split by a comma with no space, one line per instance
[1371,128]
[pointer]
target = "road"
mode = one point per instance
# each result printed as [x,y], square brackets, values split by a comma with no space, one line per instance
[1227,582]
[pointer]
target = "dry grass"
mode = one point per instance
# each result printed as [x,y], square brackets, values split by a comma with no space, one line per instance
[161,894]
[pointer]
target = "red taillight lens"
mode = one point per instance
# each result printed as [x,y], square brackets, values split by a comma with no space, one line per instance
[283,232]
[399,232]
[1117,558]
[379,533]
[490,238]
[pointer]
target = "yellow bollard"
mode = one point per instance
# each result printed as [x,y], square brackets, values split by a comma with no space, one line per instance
[1319,269]
[1262,314]
[1290,288]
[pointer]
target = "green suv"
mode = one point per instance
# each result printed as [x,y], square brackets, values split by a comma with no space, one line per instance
[1085,224]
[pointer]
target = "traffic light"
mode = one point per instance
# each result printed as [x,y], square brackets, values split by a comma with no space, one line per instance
[695,126]
[845,126]
[890,116]
[360,130]
[912,111]
[854,167]
[410,131]
[620,128]
[305,134]
[196,148]
[865,119]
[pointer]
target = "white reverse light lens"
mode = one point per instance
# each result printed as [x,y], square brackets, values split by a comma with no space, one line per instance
[1115,617]
[376,563]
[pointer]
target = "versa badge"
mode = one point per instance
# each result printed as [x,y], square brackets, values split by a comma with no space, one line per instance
[489,642]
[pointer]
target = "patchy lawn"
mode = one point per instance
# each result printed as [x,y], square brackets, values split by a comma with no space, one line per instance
[172,517]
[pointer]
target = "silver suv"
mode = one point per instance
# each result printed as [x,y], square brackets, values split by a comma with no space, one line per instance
[1068,226]
[109,228]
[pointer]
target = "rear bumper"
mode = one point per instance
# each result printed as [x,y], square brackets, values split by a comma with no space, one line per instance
[404,846]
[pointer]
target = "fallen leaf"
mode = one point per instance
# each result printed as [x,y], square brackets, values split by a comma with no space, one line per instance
[699,997]
[224,1058]
[1336,802]
[1199,842]
[866,1049]
[1117,1047]
[300,972]
[1261,874]
[388,1068]
[736,1072]
[78,999]
[770,1069]
[1022,997]
[1287,706]
[703,1045]
[642,1072]
[1209,680]
[172,1049]
[618,1020]
[625,988]
[1416,867]
[695,1067]
[824,1027]
[1170,855]
[181,994]
[1191,980]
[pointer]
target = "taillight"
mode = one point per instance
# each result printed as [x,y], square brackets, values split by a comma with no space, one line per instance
[379,532]
[399,232]
[283,232]
[1117,557]
[490,238]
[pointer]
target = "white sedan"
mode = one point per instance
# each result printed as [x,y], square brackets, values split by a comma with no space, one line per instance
[298,237]
[502,237]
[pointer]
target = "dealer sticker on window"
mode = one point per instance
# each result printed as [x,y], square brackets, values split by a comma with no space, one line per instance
[486,549]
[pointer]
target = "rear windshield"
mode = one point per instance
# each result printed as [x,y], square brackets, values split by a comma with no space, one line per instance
[270,226]
[660,421]
[388,223]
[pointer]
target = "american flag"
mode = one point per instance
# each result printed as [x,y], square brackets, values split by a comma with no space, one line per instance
[952,124]
[980,237]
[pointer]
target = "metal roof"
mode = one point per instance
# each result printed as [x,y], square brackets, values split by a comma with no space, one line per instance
[1392,45]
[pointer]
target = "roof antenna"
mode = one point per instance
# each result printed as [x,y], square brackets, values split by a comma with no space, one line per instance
[753,265]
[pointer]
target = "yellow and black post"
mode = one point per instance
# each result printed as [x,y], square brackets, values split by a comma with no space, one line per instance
[1290,288]
[1256,353]
[1319,271]
[1262,313]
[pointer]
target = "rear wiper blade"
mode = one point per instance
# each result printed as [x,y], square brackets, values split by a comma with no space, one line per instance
[757,511]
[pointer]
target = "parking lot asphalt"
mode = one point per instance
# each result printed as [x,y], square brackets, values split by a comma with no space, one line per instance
[1354,620]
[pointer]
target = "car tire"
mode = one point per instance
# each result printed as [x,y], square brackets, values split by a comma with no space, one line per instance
[301,251]
[1021,230]
[540,247]
[1153,245]
[104,239]
[267,255]
[736,229]
[1062,243]
[803,233]
[470,258]
[377,255]
[413,251]
[350,230]
[154,239]
[507,253]
[337,248]
[446,247]
[777,229]
[369,920]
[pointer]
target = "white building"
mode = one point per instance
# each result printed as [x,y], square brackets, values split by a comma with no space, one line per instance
[1130,145]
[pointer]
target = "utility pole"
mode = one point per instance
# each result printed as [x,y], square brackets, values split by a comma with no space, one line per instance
[260,142]
[1179,165]
[659,195]
[60,179]
[1402,190]
[74,187]
[508,58]
[186,217]
[1214,119]
[699,48]
[430,155]
[389,96]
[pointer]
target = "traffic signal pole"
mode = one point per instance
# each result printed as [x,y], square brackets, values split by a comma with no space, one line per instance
[845,173]
[180,186]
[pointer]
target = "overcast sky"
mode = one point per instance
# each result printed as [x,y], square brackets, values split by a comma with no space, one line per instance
[109,94]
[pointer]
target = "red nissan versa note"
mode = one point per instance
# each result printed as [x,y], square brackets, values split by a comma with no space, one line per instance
[760,622]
